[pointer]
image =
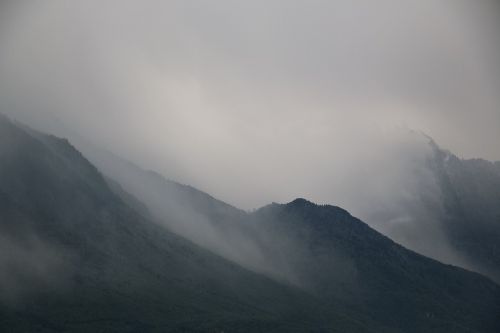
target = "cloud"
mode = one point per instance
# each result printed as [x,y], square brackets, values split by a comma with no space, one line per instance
[263,101]
[258,101]
[28,265]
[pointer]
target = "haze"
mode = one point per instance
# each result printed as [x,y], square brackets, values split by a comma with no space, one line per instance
[261,101]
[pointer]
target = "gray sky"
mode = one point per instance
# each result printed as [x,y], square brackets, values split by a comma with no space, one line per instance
[259,101]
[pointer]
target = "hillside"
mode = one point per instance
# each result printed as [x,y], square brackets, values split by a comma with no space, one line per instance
[81,260]
[326,252]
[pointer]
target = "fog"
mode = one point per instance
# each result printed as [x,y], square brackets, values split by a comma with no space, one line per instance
[265,101]
[227,231]
[28,265]
[240,98]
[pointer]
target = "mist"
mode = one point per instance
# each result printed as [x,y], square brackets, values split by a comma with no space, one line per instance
[266,101]
[225,230]
[28,266]
[255,102]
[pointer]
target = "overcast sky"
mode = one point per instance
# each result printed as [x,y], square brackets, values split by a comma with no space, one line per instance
[259,101]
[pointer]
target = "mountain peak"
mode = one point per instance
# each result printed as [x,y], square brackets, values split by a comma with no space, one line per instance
[300,202]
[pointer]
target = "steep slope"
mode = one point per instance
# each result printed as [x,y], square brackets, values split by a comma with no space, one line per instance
[333,256]
[471,200]
[444,207]
[348,263]
[191,213]
[78,259]
[161,195]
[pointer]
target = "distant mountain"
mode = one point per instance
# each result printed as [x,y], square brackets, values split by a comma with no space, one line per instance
[471,199]
[444,207]
[324,251]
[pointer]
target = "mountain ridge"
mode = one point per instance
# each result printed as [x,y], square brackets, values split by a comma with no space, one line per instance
[123,272]
[118,260]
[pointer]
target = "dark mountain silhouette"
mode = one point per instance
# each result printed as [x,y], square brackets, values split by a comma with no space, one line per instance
[81,253]
[372,275]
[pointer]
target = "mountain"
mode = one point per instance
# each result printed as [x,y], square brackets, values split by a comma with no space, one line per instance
[326,252]
[443,207]
[77,258]
[450,212]
[206,221]
[349,263]
[471,199]
[81,254]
